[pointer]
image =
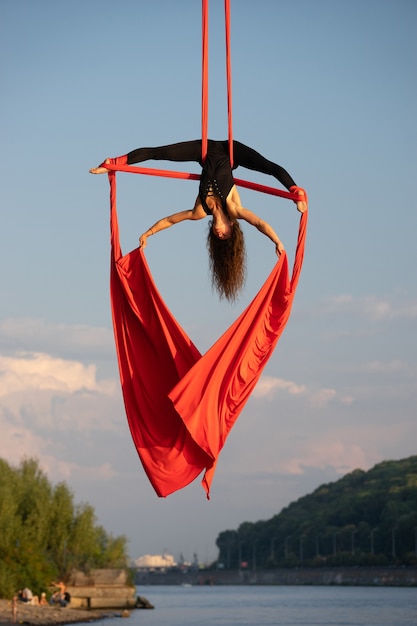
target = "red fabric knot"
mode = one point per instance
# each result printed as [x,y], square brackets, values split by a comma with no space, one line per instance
[302,194]
[120,160]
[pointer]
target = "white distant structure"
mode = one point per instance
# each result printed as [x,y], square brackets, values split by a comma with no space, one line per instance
[155,561]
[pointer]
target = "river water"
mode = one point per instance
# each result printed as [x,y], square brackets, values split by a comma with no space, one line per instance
[275,606]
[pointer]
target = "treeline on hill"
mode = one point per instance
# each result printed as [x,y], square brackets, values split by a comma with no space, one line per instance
[44,535]
[366,518]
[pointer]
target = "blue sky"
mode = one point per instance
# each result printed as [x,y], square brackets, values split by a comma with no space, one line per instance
[328,90]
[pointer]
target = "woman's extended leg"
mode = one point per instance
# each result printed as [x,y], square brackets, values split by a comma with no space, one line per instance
[252,160]
[182,151]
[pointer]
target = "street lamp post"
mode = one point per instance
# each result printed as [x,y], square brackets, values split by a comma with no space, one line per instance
[352,538]
[394,554]
[273,540]
[334,543]
[301,549]
[286,547]
[240,554]
[317,546]
[372,541]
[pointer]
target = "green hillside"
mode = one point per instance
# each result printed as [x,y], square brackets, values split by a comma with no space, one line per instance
[365,518]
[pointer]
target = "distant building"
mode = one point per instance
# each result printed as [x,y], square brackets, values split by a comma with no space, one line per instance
[155,562]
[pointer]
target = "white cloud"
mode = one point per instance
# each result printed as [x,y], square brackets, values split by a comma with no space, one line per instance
[395,366]
[48,404]
[322,397]
[371,307]
[37,335]
[328,451]
[90,473]
[36,371]
[267,385]
[18,441]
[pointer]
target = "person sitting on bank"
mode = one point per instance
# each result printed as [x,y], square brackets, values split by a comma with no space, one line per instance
[42,600]
[61,597]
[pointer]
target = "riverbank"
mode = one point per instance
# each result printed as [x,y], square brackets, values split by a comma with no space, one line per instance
[352,576]
[49,615]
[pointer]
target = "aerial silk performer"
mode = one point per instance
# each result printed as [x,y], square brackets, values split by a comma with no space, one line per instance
[181,405]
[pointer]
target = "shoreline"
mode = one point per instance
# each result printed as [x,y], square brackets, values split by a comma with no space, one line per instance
[354,576]
[50,615]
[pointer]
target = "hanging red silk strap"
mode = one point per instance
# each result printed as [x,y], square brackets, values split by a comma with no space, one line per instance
[132,169]
[204,88]
[204,73]
[229,79]
[181,405]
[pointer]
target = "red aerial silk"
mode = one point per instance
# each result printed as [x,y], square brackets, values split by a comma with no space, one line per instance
[181,405]
[204,85]
[205,73]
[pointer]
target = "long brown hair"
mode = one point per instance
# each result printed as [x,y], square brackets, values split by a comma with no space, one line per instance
[227,261]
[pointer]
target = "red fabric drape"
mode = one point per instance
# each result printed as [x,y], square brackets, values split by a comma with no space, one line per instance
[204,81]
[229,79]
[204,75]
[181,405]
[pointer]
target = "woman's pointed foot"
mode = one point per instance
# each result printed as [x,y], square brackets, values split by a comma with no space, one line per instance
[301,203]
[100,169]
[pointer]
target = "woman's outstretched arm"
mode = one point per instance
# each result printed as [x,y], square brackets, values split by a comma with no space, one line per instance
[197,213]
[237,211]
[263,227]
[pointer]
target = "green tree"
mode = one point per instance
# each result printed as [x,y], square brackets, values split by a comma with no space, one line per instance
[43,535]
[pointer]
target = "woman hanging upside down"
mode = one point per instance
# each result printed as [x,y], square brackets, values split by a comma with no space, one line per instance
[219,198]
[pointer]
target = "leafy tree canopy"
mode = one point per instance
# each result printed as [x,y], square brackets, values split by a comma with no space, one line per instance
[44,534]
